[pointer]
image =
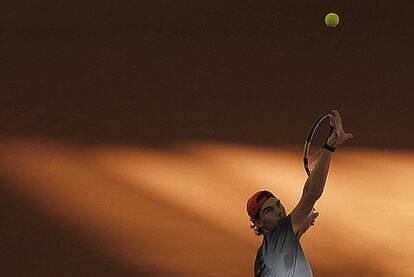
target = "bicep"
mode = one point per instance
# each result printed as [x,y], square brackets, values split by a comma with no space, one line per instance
[302,210]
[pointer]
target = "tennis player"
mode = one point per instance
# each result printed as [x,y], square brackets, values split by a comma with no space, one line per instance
[280,253]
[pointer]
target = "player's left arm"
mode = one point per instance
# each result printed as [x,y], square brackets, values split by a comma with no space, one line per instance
[310,221]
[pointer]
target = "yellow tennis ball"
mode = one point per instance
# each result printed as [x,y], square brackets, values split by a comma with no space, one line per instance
[332,20]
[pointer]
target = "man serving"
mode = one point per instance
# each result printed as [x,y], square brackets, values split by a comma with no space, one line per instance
[280,253]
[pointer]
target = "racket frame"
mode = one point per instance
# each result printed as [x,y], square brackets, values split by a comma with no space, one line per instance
[309,139]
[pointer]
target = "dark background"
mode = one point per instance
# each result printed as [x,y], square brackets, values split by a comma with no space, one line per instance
[245,71]
[155,72]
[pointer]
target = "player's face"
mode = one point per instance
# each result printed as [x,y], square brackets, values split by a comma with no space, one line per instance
[271,212]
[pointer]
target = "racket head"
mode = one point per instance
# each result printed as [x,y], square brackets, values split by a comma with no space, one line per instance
[317,136]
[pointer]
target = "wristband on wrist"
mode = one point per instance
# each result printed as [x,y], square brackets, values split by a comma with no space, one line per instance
[330,148]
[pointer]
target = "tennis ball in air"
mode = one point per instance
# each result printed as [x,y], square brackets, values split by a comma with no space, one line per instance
[332,20]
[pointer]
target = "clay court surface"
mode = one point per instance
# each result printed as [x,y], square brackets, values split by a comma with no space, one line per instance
[133,132]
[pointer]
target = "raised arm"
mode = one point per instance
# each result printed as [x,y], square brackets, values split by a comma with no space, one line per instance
[318,176]
[315,183]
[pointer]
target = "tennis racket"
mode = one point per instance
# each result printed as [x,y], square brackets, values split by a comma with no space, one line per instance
[317,136]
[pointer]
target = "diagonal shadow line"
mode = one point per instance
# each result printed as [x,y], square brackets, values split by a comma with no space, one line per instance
[133,188]
[187,215]
[35,244]
[107,247]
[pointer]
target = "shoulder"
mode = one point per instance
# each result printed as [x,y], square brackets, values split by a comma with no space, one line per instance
[284,229]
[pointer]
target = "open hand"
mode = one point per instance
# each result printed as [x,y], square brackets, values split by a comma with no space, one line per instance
[338,135]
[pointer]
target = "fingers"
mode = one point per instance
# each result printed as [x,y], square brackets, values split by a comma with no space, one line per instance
[331,121]
[337,118]
[313,216]
[348,136]
[336,122]
[337,115]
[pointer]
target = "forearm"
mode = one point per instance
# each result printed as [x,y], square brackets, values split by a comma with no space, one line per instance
[317,178]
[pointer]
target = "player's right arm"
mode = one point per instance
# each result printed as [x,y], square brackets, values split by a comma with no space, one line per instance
[316,181]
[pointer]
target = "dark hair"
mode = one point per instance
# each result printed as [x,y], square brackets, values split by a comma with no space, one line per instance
[257,230]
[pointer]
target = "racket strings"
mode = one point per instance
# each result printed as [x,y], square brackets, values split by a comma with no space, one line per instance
[314,159]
